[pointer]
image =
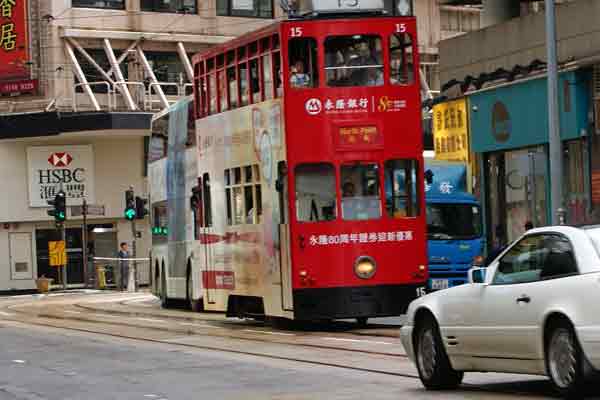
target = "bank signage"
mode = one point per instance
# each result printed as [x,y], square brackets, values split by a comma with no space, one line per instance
[51,166]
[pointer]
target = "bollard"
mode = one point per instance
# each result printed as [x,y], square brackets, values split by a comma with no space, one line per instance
[100,278]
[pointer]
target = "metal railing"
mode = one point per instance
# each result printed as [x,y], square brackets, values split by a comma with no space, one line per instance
[109,93]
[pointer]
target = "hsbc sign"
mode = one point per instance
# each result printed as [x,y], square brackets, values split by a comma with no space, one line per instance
[53,166]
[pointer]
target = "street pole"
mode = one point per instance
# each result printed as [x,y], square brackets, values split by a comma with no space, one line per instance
[85,244]
[554,142]
[134,264]
[63,237]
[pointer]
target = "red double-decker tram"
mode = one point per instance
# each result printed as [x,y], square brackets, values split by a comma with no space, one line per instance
[310,170]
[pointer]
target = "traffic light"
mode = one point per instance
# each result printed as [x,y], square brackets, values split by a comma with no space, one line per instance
[59,211]
[129,205]
[140,207]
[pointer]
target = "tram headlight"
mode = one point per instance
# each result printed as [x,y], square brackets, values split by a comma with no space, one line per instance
[365,267]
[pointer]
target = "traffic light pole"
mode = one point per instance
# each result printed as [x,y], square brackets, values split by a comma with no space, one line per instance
[63,237]
[133,251]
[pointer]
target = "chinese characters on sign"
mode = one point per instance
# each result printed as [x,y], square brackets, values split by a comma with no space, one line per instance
[353,238]
[450,131]
[53,167]
[14,44]
[314,106]
[359,135]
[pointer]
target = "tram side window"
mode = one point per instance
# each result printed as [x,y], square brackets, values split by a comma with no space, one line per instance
[315,192]
[207,200]
[254,80]
[401,188]
[232,87]
[222,91]
[243,195]
[401,59]
[267,76]
[212,92]
[360,192]
[243,73]
[353,61]
[278,73]
[303,66]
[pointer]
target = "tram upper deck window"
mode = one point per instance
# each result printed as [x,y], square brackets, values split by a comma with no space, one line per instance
[353,61]
[360,192]
[401,188]
[304,71]
[315,192]
[401,59]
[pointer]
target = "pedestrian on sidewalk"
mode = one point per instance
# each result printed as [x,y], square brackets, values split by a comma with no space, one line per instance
[123,266]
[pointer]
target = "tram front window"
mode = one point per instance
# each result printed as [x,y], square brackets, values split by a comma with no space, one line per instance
[401,188]
[354,60]
[360,192]
[315,192]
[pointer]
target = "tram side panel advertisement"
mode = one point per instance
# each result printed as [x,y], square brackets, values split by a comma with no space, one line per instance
[240,150]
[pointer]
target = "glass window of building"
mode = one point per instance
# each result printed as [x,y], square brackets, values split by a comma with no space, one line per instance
[168,70]
[315,192]
[353,60]
[110,4]
[245,8]
[172,6]
[92,74]
[360,191]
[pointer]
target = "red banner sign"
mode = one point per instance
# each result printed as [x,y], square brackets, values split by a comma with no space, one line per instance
[23,86]
[14,42]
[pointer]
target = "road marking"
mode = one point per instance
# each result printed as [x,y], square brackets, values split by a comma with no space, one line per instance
[19,361]
[355,340]
[162,321]
[72,312]
[269,332]
[198,325]
[6,314]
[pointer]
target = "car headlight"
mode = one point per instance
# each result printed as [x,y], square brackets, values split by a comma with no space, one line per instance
[365,267]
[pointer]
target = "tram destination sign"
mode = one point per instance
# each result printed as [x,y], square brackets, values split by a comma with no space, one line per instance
[337,6]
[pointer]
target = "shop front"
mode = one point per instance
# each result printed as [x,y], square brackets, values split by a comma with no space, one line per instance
[509,131]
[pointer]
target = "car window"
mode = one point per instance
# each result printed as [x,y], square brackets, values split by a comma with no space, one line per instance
[560,259]
[522,263]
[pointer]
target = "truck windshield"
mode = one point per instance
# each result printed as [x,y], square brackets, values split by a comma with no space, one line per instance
[453,221]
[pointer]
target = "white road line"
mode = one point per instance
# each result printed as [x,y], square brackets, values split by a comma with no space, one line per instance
[19,361]
[72,312]
[355,340]
[162,321]
[269,332]
[198,325]
[6,314]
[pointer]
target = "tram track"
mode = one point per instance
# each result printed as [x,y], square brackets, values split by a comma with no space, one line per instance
[46,319]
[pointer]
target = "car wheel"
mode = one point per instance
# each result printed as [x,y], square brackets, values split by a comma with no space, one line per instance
[433,364]
[195,305]
[564,361]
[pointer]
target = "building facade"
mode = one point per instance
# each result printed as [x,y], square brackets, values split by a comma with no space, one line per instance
[501,70]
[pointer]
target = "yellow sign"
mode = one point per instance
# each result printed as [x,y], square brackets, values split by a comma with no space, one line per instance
[451,131]
[57,253]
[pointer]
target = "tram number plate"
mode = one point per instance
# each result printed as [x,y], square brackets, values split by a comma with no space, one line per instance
[437,284]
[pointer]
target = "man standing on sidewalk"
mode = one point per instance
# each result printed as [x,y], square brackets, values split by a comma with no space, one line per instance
[123,266]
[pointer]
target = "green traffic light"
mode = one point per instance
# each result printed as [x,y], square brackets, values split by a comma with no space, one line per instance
[130,214]
[61,216]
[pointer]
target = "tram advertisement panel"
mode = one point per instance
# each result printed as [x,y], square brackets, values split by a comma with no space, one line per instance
[238,151]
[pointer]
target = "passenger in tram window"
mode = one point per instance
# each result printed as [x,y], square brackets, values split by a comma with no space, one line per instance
[374,77]
[348,189]
[298,78]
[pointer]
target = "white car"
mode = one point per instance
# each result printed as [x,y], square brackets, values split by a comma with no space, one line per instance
[534,310]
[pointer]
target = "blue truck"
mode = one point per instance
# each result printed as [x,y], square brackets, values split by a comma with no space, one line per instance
[455,239]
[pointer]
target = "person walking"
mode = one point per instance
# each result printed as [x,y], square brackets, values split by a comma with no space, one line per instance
[123,266]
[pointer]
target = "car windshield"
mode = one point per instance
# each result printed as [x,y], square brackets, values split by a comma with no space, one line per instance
[594,235]
[453,221]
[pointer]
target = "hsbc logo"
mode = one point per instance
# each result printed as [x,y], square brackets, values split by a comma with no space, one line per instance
[60,159]
[313,106]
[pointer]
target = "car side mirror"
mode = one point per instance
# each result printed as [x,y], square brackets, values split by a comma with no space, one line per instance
[477,275]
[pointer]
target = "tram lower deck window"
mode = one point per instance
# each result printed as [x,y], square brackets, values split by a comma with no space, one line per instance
[315,192]
[401,188]
[360,192]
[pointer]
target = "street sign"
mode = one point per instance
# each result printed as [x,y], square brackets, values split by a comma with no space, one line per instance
[57,253]
[92,209]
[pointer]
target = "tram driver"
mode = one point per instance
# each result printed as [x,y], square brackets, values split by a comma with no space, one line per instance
[298,78]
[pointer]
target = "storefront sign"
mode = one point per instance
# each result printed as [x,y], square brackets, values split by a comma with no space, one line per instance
[500,122]
[22,86]
[14,47]
[450,131]
[53,166]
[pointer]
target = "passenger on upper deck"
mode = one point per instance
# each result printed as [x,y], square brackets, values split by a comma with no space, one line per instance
[297,76]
